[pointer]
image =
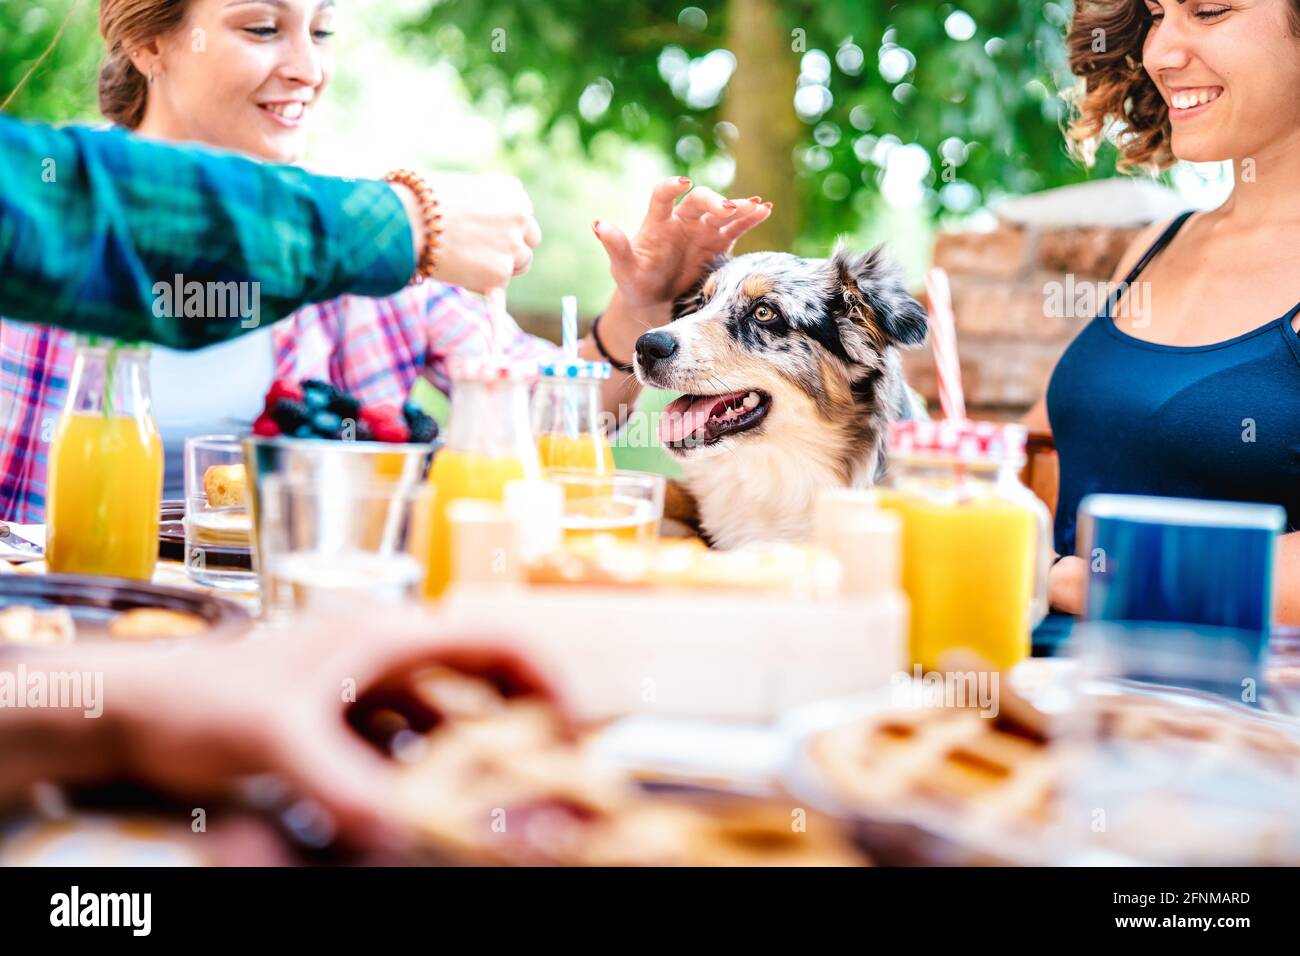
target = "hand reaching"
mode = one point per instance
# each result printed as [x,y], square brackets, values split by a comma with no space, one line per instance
[676,241]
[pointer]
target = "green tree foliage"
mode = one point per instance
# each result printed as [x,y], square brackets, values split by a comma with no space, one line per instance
[63,87]
[871,76]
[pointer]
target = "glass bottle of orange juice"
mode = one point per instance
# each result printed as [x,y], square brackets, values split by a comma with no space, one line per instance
[489,444]
[975,540]
[566,409]
[106,468]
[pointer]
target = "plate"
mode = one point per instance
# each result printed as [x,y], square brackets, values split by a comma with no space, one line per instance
[95,601]
[171,542]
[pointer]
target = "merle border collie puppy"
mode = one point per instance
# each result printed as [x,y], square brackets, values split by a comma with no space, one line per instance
[791,375]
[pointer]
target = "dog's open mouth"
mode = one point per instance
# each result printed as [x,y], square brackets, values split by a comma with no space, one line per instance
[696,420]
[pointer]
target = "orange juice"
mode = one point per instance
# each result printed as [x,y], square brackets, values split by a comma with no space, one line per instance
[969,571]
[629,520]
[588,452]
[456,475]
[106,475]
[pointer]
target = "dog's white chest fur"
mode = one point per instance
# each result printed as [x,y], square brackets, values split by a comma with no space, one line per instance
[766,490]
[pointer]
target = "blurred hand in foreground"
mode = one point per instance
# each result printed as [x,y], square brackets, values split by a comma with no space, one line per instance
[195,723]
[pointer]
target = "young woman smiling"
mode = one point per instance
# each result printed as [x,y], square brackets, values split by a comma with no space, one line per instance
[247,75]
[1199,396]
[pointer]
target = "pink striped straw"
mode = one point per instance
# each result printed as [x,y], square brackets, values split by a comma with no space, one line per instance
[943,337]
[496,299]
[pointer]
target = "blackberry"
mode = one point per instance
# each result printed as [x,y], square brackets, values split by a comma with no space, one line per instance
[289,413]
[363,432]
[423,429]
[344,405]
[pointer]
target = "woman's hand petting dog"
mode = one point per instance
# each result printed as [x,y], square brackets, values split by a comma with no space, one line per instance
[676,243]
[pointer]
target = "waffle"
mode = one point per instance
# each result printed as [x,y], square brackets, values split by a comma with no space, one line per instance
[999,781]
[497,782]
[943,762]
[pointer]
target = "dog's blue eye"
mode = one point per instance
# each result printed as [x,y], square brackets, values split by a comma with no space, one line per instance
[764,313]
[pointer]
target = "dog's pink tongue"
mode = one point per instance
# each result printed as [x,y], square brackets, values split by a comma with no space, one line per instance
[685,417]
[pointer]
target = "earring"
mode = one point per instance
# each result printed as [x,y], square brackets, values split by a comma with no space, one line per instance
[151,77]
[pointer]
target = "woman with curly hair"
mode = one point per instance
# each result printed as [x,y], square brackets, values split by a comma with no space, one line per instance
[1197,394]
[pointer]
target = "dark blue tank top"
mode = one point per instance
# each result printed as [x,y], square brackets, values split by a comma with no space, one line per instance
[1217,421]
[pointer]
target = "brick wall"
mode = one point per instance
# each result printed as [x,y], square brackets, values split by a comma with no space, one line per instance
[1009,340]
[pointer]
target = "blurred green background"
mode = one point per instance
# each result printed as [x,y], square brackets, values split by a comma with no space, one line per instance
[862,120]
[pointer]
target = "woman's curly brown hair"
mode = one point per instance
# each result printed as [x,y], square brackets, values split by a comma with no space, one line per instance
[1116,98]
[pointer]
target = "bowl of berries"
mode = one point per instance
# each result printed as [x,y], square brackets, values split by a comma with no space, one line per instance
[330,474]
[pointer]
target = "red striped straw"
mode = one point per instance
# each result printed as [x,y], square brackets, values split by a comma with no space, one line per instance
[496,299]
[943,337]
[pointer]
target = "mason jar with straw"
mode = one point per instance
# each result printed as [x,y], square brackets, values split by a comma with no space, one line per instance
[566,406]
[975,540]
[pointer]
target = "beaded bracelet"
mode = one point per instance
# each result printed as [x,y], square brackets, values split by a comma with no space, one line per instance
[430,216]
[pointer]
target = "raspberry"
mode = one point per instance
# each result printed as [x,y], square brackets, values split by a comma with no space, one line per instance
[289,413]
[374,414]
[389,430]
[265,426]
[282,388]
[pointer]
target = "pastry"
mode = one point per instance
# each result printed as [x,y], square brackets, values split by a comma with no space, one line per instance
[148,623]
[769,568]
[30,626]
[1000,784]
[496,780]
[225,485]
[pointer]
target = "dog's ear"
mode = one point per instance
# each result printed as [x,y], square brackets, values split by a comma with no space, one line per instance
[873,291]
[694,298]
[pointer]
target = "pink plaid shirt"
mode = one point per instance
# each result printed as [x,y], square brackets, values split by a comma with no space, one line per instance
[373,348]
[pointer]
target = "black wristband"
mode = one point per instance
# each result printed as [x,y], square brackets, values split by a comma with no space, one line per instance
[623,367]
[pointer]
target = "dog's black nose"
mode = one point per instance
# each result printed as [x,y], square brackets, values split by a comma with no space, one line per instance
[655,347]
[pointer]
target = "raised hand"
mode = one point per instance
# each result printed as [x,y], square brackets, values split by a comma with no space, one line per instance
[676,241]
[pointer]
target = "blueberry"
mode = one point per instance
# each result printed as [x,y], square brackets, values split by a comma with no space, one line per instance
[326,424]
[363,432]
[303,431]
[316,400]
[411,412]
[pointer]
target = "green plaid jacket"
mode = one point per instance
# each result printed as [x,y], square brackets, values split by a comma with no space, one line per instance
[98,228]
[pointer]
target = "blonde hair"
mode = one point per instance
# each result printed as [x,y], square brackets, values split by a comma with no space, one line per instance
[125,25]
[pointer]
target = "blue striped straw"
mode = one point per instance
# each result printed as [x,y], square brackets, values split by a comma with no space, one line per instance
[569,325]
